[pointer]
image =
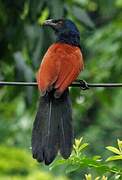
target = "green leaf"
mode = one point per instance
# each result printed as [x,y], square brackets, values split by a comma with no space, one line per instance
[58,162]
[88,176]
[44,16]
[113,149]
[113,158]
[117,176]
[72,168]
[120,145]
[83,146]
[78,142]
[97,158]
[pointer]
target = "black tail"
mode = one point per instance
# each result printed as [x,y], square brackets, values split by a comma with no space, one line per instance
[52,128]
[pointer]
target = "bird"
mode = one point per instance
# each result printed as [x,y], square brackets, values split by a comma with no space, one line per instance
[62,63]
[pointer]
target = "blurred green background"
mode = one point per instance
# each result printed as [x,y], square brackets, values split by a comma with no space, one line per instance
[97,113]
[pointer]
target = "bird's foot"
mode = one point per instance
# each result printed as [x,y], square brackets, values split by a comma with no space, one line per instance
[83,84]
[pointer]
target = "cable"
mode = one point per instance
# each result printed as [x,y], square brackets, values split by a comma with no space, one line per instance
[78,83]
[7,83]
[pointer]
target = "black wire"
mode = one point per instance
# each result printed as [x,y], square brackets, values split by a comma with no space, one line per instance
[78,83]
[6,83]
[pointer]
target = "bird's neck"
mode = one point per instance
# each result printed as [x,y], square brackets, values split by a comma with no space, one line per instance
[72,39]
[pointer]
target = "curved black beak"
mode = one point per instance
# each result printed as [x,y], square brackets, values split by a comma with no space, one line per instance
[50,22]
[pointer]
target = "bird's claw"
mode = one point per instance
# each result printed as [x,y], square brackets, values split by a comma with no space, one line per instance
[83,84]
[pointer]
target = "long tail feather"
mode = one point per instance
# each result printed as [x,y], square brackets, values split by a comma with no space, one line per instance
[52,128]
[65,126]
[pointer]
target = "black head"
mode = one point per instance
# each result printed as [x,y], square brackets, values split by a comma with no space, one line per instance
[66,31]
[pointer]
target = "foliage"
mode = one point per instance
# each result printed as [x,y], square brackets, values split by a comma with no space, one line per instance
[116,151]
[17,158]
[97,112]
[80,160]
[17,164]
[89,177]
